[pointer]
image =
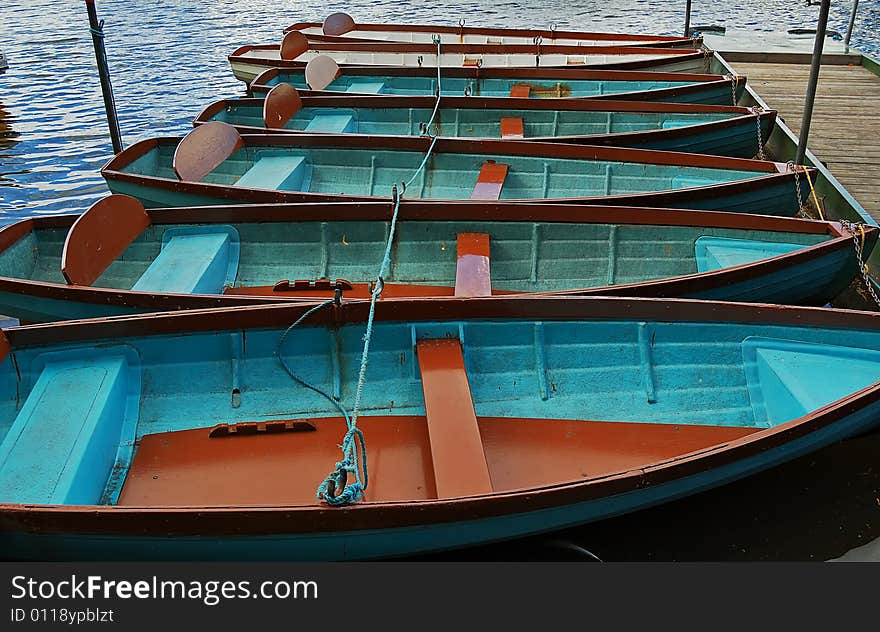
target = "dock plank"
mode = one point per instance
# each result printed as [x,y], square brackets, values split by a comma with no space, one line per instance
[845,125]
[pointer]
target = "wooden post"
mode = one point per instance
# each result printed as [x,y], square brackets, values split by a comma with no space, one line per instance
[813,82]
[97,29]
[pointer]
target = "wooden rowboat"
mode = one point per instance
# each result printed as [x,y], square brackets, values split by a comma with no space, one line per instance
[296,51]
[342,27]
[698,129]
[536,83]
[216,165]
[118,258]
[181,436]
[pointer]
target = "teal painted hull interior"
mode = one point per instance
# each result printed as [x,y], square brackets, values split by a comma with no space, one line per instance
[700,373]
[427,86]
[525,256]
[449,176]
[739,140]
[468,123]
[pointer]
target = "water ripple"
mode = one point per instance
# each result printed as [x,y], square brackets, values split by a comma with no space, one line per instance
[168,61]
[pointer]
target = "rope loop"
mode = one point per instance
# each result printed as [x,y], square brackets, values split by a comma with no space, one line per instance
[98,32]
[335,489]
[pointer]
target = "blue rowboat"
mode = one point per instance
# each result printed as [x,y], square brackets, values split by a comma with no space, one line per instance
[698,129]
[533,83]
[483,420]
[118,258]
[296,50]
[216,165]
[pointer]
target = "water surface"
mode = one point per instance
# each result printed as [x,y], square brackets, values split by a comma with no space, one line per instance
[168,61]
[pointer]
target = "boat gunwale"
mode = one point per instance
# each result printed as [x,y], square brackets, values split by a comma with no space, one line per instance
[253,520]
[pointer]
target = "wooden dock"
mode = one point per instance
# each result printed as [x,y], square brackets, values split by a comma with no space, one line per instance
[845,133]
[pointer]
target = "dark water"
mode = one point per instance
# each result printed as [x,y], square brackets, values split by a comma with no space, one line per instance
[168,61]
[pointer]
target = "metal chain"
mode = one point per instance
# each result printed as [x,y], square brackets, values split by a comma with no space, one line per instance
[797,185]
[856,229]
[761,155]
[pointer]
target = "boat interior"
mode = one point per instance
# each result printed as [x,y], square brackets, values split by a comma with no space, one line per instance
[467,122]
[455,407]
[370,172]
[487,87]
[430,257]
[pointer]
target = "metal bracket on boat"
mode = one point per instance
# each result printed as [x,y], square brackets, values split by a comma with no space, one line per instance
[461,27]
[537,40]
[468,91]
[420,59]
[254,427]
[553,31]
[303,285]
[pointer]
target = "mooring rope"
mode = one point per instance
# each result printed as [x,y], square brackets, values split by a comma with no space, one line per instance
[437,101]
[337,480]
[98,32]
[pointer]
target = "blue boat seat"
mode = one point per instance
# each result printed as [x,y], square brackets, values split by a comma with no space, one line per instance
[76,426]
[714,253]
[193,260]
[275,173]
[366,87]
[787,379]
[331,123]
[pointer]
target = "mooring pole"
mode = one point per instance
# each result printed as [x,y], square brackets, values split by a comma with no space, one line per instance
[852,21]
[687,19]
[814,81]
[97,29]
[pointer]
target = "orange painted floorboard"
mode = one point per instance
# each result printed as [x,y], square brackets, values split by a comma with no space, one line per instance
[188,468]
